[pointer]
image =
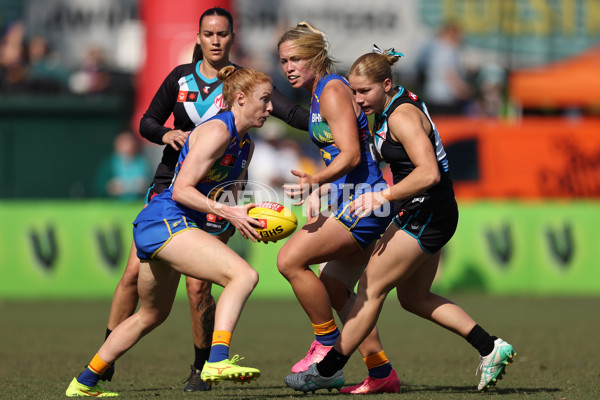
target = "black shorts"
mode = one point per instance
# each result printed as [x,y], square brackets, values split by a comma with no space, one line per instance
[212,224]
[432,229]
[153,190]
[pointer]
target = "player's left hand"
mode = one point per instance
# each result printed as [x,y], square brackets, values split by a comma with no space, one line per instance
[175,138]
[366,203]
[313,206]
[245,224]
[301,189]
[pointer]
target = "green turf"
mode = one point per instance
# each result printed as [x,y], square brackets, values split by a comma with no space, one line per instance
[44,344]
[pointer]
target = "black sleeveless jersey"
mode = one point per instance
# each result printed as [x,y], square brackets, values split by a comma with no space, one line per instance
[394,154]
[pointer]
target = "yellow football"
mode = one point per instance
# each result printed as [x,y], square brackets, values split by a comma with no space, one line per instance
[278,221]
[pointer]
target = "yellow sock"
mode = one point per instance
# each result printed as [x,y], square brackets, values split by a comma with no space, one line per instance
[376,360]
[325,328]
[221,337]
[98,365]
[219,350]
[326,333]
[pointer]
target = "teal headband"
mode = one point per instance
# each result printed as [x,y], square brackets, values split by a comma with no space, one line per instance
[388,52]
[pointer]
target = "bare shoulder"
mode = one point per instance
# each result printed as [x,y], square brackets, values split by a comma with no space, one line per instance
[405,114]
[405,119]
[215,131]
[336,87]
[336,96]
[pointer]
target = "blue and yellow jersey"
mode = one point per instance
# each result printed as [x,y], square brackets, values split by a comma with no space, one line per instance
[223,172]
[367,172]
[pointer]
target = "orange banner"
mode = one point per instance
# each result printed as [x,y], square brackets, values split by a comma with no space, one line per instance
[530,159]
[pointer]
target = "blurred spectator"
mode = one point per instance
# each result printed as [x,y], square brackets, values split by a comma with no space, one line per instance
[13,58]
[29,66]
[270,166]
[444,79]
[45,73]
[126,173]
[93,75]
[491,87]
[275,156]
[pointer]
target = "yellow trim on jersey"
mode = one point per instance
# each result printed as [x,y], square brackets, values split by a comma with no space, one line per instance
[325,155]
[343,212]
[349,229]
[243,142]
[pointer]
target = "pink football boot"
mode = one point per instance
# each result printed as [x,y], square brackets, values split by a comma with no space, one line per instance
[390,384]
[315,354]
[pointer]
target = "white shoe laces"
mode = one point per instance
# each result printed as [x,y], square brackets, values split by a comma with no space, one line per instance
[480,367]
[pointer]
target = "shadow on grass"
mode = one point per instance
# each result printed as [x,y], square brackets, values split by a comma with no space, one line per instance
[232,391]
[262,391]
[471,389]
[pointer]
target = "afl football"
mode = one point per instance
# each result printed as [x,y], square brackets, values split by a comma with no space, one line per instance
[278,221]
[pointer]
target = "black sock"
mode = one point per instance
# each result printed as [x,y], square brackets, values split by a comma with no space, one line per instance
[333,362]
[481,340]
[200,357]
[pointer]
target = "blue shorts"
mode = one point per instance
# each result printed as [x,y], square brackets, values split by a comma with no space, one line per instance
[213,224]
[365,230]
[151,236]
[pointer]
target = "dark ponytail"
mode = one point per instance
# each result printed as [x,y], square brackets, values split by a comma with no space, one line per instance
[221,12]
[197,56]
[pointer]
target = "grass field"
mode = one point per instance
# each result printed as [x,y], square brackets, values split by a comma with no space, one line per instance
[43,345]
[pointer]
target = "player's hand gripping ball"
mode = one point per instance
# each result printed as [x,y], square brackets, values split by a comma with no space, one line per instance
[278,221]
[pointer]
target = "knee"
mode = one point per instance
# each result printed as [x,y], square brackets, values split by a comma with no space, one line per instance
[248,279]
[372,291]
[285,263]
[150,319]
[252,278]
[408,301]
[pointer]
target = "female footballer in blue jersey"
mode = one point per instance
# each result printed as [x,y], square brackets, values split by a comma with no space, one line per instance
[171,241]
[408,254]
[192,94]
[333,237]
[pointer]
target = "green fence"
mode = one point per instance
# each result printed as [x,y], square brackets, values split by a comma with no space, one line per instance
[51,145]
[78,249]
